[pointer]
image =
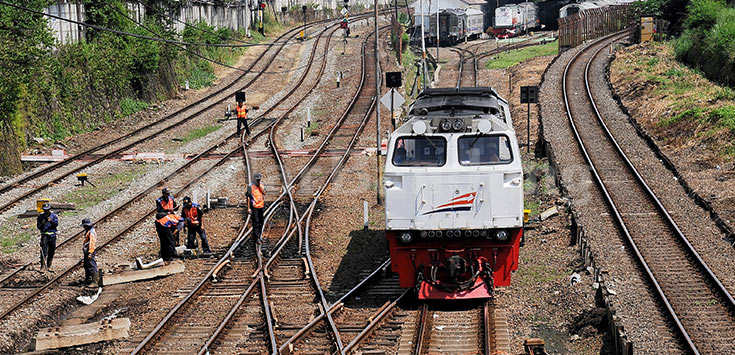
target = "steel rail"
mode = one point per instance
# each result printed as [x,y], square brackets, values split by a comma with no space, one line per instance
[421,333]
[101,158]
[334,307]
[721,289]
[261,271]
[241,238]
[374,323]
[63,243]
[486,326]
[71,268]
[611,203]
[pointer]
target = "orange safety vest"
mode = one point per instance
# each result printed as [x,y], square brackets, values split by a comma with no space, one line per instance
[192,214]
[174,219]
[242,112]
[258,200]
[168,204]
[90,240]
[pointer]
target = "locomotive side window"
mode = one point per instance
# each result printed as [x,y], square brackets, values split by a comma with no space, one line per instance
[483,150]
[420,151]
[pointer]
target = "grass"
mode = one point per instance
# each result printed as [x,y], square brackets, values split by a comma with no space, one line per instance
[408,60]
[508,59]
[130,106]
[10,239]
[697,108]
[312,127]
[536,274]
[199,133]
[108,186]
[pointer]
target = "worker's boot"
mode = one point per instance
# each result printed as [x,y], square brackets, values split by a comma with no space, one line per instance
[93,280]
[87,279]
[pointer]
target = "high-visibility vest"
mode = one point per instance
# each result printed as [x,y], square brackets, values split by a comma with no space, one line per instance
[90,241]
[258,200]
[168,205]
[168,220]
[242,112]
[192,214]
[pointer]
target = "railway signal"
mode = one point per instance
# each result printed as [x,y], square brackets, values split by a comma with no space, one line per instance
[529,95]
[393,99]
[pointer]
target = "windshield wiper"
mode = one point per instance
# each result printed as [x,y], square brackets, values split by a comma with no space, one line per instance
[475,140]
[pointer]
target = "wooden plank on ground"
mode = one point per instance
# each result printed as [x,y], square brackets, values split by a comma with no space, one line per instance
[73,335]
[171,268]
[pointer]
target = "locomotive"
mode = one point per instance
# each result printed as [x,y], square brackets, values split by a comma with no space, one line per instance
[454,194]
[515,19]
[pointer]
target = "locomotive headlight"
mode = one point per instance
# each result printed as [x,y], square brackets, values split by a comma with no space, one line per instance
[483,233]
[406,237]
[501,235]
[458,125]
[446,125]
[424,234]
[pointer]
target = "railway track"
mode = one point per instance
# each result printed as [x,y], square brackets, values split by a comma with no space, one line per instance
[259,278]
[110,235]
[700,308]
[466,329]
[6,277]
[30,185]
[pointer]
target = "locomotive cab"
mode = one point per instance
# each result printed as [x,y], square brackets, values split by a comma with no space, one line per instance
[454,195]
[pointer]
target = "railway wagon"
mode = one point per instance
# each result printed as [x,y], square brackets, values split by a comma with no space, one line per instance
[455,25]
[454,195]
[515,19]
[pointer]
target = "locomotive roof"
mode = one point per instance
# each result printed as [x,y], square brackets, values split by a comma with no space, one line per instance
[483,99]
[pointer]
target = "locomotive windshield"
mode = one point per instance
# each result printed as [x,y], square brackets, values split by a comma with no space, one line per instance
[420,151]
[484,150]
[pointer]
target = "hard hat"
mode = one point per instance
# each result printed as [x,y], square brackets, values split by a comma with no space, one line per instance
[257,176]
[165,191]
[187,199]
[86,222]
[46,207]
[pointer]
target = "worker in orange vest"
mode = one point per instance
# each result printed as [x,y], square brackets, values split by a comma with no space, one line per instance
[256,206]
[166,202]
[193,217]
[89,247]
[168,227]
[242,117]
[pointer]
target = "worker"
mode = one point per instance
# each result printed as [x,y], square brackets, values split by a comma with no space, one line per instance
[256,197]
[166,202]
[193,218]
[89,248]
[242,117]
[168,226]
[47,222]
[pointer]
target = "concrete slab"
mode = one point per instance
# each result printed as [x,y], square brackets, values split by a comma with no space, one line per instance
[171,268]
[73,335]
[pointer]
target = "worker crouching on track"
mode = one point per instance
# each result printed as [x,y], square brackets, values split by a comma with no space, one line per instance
[242,117]
[256,197]
[47,222]
[89,248]
[166,202]
[193,217]
[168,227]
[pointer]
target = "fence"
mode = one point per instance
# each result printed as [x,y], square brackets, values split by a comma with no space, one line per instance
[590,24]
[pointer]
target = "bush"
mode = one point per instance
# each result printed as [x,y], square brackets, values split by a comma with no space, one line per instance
[703,14]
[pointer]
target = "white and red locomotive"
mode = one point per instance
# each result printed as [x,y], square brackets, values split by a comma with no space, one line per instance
[454,195]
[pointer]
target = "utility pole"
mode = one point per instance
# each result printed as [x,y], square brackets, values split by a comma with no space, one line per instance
[379,185]
[423,44]
[437,32]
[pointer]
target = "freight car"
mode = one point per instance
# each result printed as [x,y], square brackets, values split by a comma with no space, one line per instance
[454,195]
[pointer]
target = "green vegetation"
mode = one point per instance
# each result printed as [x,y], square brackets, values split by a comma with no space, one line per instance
[408,59]
[55,90]
[535,274]
[200,132]
[105,188]
[10,239]
[508,59]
